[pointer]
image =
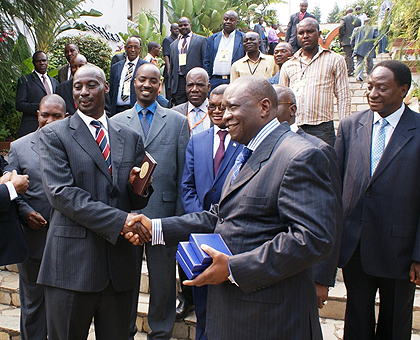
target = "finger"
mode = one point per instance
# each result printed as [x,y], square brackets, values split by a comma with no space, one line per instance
[412,274]
[128,235]
[189,283]
[209,250]
[136,169]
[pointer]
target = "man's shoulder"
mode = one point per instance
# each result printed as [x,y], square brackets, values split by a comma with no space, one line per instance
[117,65]
[23,141]
[355,118]
[181,107]
[173,114]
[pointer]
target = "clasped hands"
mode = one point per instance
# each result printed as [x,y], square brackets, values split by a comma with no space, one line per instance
[137,229]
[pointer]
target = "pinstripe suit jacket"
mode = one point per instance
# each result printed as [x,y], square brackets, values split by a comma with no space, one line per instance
[277,221]
[381,212]
[84,249]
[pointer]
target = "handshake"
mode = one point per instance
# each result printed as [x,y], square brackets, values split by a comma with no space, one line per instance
[137,229]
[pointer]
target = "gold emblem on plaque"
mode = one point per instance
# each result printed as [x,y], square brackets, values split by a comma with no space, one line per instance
[144,169]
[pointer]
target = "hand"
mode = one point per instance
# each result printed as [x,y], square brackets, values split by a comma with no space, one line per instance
[5,178]
[144,220]
[321,294]
[20,182]
[134,231]
[133,174]
[217,273]
[415,272]
[35,221]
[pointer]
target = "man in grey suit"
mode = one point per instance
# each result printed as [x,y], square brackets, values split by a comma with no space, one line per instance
[187,52]
[275,214]
[378,152]
[166,135]
[88,164]
[34,213]
[347,25]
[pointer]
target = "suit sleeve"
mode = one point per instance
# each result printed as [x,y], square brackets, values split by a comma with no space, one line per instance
[208,55]
[203,50]
[304,203]
[5,202]
[189,194]
[22,103]
[340,150]
[183,139]
[341,88]
[289,30]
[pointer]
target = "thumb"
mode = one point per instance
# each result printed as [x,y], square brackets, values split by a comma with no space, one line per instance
[209,250]
[14,172]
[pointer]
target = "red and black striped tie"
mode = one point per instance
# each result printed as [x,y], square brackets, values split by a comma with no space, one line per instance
[100,138]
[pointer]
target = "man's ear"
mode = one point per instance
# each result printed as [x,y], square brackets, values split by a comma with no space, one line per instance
[292,109]
[265,107]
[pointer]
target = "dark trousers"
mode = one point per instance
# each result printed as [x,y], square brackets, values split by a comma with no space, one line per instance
[395,309]
[348,55]
[200,302]
[180,96]
[136,290]
[186,292]
[272,46]
[70,313]
[324,131]
[33,318]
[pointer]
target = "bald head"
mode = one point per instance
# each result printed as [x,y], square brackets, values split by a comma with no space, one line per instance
[76,62]
[92,71]
[286,104]
[51,108]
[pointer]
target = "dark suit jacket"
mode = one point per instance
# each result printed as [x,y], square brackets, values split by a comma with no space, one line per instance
[63,73]
[291,33]
[213,44]
[65,91]
[114,83]
[12,242]
[325,270]
[29,93]
[195,57]
[363,41]
[275,220]
[24,158]
[380,212]
[347,25]
[200,187]
[84,249]
[263,37]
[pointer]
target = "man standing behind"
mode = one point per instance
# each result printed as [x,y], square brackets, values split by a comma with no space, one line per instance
[295,19]
[166,51]
[260,30]
[347,25]
[380,248]
[34,212]
[64,72]
[30,90]
[208,159]
[272,38]
[187,52]
[165,134]
[223,49]
[316,75]
[87,165]
[121,87]
[195,109]
[282,53]
[154,50]
[255,62]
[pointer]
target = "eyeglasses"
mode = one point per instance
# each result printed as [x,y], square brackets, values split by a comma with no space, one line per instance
[214,107]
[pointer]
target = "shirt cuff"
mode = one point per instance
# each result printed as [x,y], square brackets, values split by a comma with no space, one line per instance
[231,278]
[12,191]
[157,232]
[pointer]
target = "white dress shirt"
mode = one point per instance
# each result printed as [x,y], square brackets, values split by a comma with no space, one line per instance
[120,102]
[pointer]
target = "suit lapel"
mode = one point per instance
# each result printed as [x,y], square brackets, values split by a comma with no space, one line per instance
[34,142]
[399,139]
[206,149]
[84,138]
[158,122]
[236,43]
[364,136]
[191,45]
[53,84]
[37,81]
[230,151]
[116,141]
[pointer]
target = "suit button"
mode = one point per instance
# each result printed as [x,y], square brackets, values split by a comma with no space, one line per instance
[213,189]
[221,220]
[112,196]
[367,193]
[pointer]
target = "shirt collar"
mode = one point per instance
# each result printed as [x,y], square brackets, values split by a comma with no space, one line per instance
[203,106]
[152,107]
[135,61]
[41,75]
[392,119]
[217,129]
[262,56]
[262,134]
[230,35]
[87,120]
[294,127]
[298,54]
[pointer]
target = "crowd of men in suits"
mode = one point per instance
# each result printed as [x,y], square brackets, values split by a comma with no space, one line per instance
[248,152]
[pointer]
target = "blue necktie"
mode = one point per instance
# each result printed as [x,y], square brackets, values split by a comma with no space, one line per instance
[145,122]
[196,120]
[378,145]
[239,162]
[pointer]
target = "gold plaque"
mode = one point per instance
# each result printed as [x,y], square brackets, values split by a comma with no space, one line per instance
[144,169]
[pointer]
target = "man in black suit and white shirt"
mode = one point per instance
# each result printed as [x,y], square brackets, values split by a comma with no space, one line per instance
[295,19]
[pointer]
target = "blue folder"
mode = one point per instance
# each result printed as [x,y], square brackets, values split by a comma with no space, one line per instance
[213,240]
[191,275]
[187,252]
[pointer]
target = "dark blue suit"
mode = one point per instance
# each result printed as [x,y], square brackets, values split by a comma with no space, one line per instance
[212,45]
[200,188]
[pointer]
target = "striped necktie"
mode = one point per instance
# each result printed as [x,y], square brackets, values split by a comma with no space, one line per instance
[198,127]
[127,79]
[378,145]
[102,141]
[45,83]
[239,162]
[145,122]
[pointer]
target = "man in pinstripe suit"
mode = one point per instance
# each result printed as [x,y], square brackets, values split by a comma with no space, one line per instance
[277,219]
[88,268]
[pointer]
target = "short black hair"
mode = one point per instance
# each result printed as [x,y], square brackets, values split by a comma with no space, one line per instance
[33,55]
[402,73]
[151,45]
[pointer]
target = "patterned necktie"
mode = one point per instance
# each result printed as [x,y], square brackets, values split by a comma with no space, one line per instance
[378,145]
[102,141]
[184,49]
[220,153]
[196,120]
[45,83]
[127,80]
[239,162]
[145,122]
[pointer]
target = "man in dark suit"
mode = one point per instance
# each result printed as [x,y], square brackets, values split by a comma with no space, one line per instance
[12,242]
[347,25]
[121,86]
[325,270]
[260,29]
[380,246]
[276,216]
[295,19]
[65,90]
[223,49]
[64,72]
[30,90]
[186,53]
[166,51]
[165,134]
[195,109]
[208,159]
[34,212]
[88,164]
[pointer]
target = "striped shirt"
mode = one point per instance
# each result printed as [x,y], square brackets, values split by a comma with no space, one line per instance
[315,84]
